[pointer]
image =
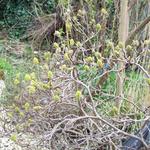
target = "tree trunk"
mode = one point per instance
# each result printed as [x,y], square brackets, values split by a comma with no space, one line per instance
[123,33]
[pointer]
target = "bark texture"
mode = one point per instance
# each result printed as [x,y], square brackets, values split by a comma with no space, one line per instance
[123,33]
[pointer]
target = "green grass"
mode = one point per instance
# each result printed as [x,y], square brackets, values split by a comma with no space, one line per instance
[11,66]
[6,66]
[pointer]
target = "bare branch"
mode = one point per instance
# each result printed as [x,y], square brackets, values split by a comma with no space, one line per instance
[139,28]
[131,4]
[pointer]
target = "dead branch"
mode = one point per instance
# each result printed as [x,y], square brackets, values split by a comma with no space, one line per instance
[136,31]
[131,4]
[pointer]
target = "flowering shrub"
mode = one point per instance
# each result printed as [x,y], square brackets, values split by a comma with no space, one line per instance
[68,98]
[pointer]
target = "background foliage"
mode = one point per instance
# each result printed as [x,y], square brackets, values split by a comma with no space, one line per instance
[17,15]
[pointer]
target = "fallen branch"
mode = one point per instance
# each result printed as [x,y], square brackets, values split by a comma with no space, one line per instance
[134,32]
[132,3]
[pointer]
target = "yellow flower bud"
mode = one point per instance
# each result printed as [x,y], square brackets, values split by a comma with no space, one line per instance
[56,45]
[33,83]
[27,77]
[78,95]
[47,56]
[57,33]
[58,50]
[36,108]
[147,42]
[98,27]
[93,21]
[18,75]
[114,111]
[135,43]
[17,109]
[35,61]
[78,44]
[26,106]
[117,48]
[80,12]
[71,42]
[86,67]
[97,54]
[66,57]
[56,97]
[70,52]
[68,26]
[75,18]
[100,63]
[16,81]
[18,127]
[120,44]
[31,89]
[110,44]
[104,11]
[10,115]
[33,76]
[30,120]
[63,67]
[46,86]
[116,52]
[89,59]
[148,81]
[13,137]
[129,48]
[21,114]
[50,74]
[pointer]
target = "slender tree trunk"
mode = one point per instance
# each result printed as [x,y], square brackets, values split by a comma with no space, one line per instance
[123,33]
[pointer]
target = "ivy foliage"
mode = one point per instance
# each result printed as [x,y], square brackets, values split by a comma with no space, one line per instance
[17,15]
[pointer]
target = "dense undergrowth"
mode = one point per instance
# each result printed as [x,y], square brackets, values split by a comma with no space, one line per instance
[17,16]
[66,95]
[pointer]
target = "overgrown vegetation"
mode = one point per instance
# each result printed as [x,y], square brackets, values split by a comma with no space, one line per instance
[79,82]
[17,16]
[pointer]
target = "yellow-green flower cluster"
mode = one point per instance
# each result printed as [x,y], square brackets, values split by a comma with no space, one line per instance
[13,137]
[147,42]
[17,79]
[89,59]
[110,44]
[71,42]
[56,97]
[104,11]
[35,61]
[66,56]
[27,77]
[31,89]
[50,75]
[26,106]
[100,63]
[129,48]
[57,33]
[47,56]
[68,26]
[148,81]
[86,68]
[37,108]
[63,67]
[98,27]
[78,95]
[135,43]
[56,45]
[78,43]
